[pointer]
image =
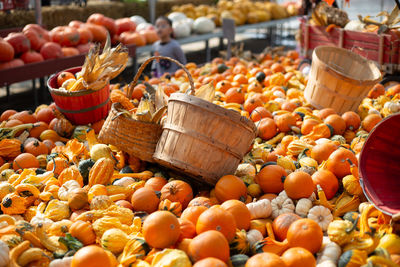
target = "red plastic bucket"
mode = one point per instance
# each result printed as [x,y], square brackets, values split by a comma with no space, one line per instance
[82,107]
[379,165]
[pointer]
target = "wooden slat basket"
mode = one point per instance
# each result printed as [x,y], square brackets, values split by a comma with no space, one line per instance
[203,140]
[339,79]
[135,137]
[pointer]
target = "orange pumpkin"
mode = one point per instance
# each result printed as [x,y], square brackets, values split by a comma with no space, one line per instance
[328,182]
[298,257]
[305,233]
[210,261]
[187,228]
[156,183]
[266,128]
[252,103]
[239,211]
[234,95]
[393,90]
[265,259]
[177,191]
[323,113]
[338,162]
[308,125]
[268,196]
[298,185]
[371,121]
[282,223]
[38,128]
[91,256]
[217,218]
[270,178]
[192,213]
[260,112]
[145,199]
[200,201]
[285,121]
[352,120]
[322,151]
[161,229]
[337,122]
[376,91]
[209,244]
[237,188]
[7,114]
[25,161]
[24,116]
[83,231]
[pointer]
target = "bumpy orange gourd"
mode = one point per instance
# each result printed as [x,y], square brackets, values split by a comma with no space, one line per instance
[101,172]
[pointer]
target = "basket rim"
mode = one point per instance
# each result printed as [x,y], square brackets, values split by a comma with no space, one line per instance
[232,115]
[56,91]
[373,68]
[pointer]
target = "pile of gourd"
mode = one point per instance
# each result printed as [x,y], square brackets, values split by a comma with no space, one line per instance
[68,200]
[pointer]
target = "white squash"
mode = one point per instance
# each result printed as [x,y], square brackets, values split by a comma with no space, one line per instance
[260,209]
[181,29]
[124,181]
[355,25]
[190,22]
[326,264]
[363,206]
[253,236]
[322,215]
[66,188]
[246,170]
[393,107]
[203,25]
[144,26]
[329,252]
[303,206]
[281,204]
[138,20]
[176,16]
[64,262]
[322,141]
[41,218]
[4,254]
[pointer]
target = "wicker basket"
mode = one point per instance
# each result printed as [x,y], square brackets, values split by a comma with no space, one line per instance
[339,79]
[135,137]
[81,107]
[203,140]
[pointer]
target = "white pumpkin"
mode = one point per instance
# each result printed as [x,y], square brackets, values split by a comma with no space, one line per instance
[203,25]
[303,206]
[281,204]
[329,252]
[41,218]
[64,262]
[253,236]
[138,20]
[246,170]
[260,209]
[190,22]
[181,29]
[124,181]
[66,188]
[176,16]
[393,107]
[355,25]
[321,215]
[4,254]
[144,26]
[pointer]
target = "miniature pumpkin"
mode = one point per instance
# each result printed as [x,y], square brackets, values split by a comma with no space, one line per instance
[145,199]
[321,215]
[90,256]
[66,188]
[83,231]
[329,252]
[281,204]
[114,240]
[270,178]
[260,209]
[303,206]
[177,191]
[352,185]
[281,224]
[237,187]
[192,213]
[173,207]
[161,229]
[77,198]
[59,228]
[298,185]
[305,233]
[239,211]
[265,259]
[209,244]
[97,190]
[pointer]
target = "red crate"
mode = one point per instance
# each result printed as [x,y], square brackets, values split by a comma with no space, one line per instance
[6,5]
[21,4]
[384,49]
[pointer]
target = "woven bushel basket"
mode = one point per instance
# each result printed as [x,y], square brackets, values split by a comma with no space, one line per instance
[137,138]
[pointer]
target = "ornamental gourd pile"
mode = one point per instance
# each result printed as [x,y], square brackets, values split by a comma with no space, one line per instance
[68,200]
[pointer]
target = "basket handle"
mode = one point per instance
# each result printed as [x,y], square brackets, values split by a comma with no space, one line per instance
[136,78]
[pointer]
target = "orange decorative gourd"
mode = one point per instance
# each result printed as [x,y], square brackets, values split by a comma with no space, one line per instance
[337,122]
[370,121]
[339,162]
[145,199]
[156,183]
[61,164]
[265,259]
[161,229]
[10,148]
[285,121]
[252,102]
[200,201]
[260,112]
[234,95]
[352,120]
[101,172]
[305,233]
[239,211]
[327,180]
[298,257]
[270,178]
[83,231]
[91,256]
[376,91]
[209,244]
[177,191]
[217,218]
[210,261]
[192,213]
[282,223]
[308,125]
[266,128]
[70,173]
[187,228]
[25,161]
[38,128]
[298,185]
[322,151]
[173,207]
[323,113]
[237,188]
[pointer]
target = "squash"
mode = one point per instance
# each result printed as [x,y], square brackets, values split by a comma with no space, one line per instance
[59,228]
[174,207]
[281,204]
[77,199]
[341,232]
[64,262]
[124,181]
[253,236]
[353,258]
[260,209]
[181,29]
[303,206]
[84,167]
[203,25]
[101,202]
[99,151]
[13,204]
[5,174]
[352,185]
[66,188]
[114,240]
[330,251]
[321,215]
[246,170]
[5,189]
[240,243]
[4,254]
[70,173]
[390,242]
[136,247]
[80,133]
[239,260]
[57,210]
[101,172]
[171,257]
[10,148]
[103,224]
[12,240]
[40,218]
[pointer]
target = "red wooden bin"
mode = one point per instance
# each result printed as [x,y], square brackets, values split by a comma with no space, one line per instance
[379,165]
[82,107]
